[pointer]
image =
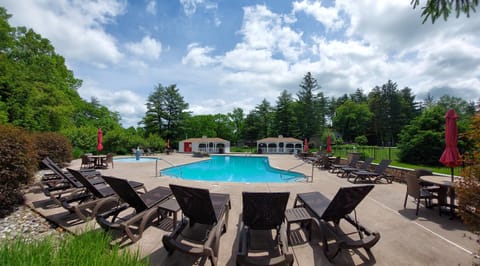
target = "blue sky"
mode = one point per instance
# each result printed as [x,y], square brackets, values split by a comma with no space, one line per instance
[226,54]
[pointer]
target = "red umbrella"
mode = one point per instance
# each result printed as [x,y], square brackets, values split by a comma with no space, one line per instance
[305,145]
[451,156]
[329,144]
[99,140]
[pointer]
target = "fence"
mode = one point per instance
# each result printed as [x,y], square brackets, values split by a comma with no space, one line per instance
[375,152]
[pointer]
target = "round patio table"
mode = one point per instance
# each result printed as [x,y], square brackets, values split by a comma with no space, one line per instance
[446,185]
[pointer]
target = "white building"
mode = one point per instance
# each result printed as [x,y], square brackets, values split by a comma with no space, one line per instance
[279,145]
[204,144]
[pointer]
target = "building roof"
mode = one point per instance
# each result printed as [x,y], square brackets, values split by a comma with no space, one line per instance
[217,140]
[280,139]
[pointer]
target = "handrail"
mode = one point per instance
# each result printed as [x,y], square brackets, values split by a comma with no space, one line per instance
[156,165]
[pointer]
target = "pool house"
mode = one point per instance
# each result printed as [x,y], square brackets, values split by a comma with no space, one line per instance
[204,144]
[279,145]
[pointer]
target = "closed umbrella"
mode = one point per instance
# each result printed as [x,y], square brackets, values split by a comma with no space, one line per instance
[329,144]
[99,140]
[305,145]
[451,157]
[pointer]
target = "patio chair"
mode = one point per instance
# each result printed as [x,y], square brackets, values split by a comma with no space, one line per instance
[207,216]
[376,174]
[262,213]
[352,162]
[102,197]
[107,160]
[346,171]
[144,208]
[65,183]
[86,162]
[328,214]
[418,192]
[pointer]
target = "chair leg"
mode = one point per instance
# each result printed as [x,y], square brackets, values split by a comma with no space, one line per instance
[405,202]
[418,206]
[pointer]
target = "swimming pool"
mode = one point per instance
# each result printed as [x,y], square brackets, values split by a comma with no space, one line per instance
[233,169]
[134,160]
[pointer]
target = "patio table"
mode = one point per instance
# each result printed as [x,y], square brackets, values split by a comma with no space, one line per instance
[447,188]
[97,159]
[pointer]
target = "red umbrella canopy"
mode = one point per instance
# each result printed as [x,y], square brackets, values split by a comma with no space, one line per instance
[305,145]
[451,156]
[329,144]
[99,140]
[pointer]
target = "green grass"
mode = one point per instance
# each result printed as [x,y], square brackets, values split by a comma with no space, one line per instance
[90,248]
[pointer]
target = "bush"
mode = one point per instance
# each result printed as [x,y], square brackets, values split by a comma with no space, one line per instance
[53,145]
[18,164]
[361,140]
[468,189]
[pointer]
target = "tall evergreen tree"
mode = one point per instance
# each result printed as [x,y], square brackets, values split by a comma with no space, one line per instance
[165,113]
[310,111]
[284,119]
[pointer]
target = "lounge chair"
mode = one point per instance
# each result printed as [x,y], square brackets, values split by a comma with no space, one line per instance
[209,211]
[102,197]
[354,158]
[65,183]
[328,214]
[262,213]
[376,175]
[144,208]
[346,171]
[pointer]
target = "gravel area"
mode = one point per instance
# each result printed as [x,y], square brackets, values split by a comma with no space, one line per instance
[27,224]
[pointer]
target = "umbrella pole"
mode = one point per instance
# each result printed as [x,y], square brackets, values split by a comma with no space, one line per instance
[452,172]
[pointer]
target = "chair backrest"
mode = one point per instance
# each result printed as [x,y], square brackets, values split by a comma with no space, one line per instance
[85,159]
[126,192]
[55,169]
[354,160]
[382,166]
[79,176]
[422,172]
[413,186]
[195,204]
[345,201]
[264,210]
[368,161]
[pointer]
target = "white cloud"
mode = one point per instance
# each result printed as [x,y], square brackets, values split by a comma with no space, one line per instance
[190,6]
[151,7]
[198,56]
[148,48]
[75,28]
[328,16]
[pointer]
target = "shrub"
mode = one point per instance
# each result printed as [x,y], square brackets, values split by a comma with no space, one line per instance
[361,140]
[468,189]
[53,145]
[18,164]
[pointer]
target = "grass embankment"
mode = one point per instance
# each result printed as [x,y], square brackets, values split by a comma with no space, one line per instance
[90,248]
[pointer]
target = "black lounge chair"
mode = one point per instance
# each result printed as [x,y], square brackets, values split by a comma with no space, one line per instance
[101,198]
[264,212]
[346,171]
[144,208]
[328,215]
[209,211]
[354,158]
[64,182]
[376,175]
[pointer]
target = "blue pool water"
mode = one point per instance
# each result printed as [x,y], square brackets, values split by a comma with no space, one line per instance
[133,159]
[233,169]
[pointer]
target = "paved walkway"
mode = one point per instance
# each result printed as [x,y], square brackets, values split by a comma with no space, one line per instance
[428,239]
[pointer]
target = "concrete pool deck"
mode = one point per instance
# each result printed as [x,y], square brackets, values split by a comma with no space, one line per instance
[406,239]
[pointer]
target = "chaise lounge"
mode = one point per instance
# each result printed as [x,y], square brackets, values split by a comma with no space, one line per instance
[206,214]
[328,214]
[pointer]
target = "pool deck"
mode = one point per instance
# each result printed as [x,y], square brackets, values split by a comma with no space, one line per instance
[406,239]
